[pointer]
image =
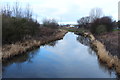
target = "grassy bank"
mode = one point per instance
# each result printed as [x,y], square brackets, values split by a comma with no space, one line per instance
[21,32]
[105,45]
[109,39]
[111,42]
[103,55]
[17,48]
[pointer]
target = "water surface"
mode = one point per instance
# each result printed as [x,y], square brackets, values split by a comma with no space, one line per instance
[70,57]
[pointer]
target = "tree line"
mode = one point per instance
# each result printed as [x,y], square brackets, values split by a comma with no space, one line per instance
[97,23]
[18,24]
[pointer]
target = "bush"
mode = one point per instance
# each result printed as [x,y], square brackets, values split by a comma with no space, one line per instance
[100,29]
[94,25]
[83,22]
[15,29]
[50,23]
[107,21]
[100,22]
[17,24]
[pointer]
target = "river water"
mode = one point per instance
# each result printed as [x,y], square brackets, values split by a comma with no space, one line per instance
[70,57]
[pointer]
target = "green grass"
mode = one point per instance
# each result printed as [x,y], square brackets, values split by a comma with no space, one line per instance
[75,30]
[81,30]
[116,30]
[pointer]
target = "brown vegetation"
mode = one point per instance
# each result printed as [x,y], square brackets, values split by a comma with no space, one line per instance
[111,41]
[21,32]
[103,55]
[11,50]
[102,25]
[17,23]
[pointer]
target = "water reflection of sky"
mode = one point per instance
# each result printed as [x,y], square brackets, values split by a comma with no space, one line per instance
[67,59]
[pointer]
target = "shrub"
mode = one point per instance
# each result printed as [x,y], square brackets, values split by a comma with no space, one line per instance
[15,29]
[83,22]
[108,22]
[99,22]
[17,24]
[94,25]
[100,29]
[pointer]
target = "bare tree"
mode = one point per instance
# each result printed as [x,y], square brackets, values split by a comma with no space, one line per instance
[28,12]
[84,21]
[6,10]
[95,13]
[17,11]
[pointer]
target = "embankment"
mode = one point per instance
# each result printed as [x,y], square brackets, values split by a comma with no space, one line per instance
[103,55]
[9,51]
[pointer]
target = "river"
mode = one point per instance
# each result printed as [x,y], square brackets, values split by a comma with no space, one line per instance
[70,57]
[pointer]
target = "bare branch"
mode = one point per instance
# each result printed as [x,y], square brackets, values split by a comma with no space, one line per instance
[95,13]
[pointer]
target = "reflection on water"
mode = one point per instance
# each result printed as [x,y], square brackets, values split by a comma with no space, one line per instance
[18,60]
[52,43]
[26,57]
[83,40]
[70,57]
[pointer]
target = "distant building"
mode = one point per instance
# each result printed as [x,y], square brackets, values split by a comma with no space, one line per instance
[71,25]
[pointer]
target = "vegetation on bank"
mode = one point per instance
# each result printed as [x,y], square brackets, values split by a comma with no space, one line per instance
[50,23]
[96,23]
[11,50]
[73,29]
[16,29]
[22,33]
[104,28]
[18,24]
[118,23]
[103,54]
[111,41]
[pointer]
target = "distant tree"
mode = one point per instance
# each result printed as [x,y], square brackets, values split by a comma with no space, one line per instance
[103,24]
[50,23]
[83,21]
[119,23]
[95,13]
[107,21]
[94,25]
[115,24]
[28,12]
[17,10]
[6,10]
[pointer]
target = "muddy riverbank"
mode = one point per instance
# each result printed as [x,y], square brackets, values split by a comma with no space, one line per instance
[9,51]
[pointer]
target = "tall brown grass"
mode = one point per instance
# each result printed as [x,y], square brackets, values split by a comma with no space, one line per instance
[103,55]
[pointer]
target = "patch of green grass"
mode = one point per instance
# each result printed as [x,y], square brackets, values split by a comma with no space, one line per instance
[71,30]
[116,30]
[76,30]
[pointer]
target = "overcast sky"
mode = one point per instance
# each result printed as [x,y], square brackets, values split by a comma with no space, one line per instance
[68,11]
